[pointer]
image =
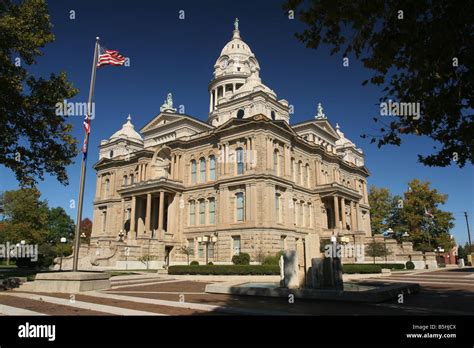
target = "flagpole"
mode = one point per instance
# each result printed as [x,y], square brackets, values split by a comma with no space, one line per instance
[77,243]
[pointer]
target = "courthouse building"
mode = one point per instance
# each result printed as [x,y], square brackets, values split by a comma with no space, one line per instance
[246,180]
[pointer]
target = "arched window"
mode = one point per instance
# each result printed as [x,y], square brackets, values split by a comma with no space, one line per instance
[125,180]
[301,214]
[276,162]
[240,160]
[239,197]
[192,212]
[202,212]
[240,113]
[111,154]
[293,169]
[132,179]
[308,179]
[273,115]
[300,172]
[202,169]
[212,167]
[193,171]
[107,188]
[212,211]
[277,207]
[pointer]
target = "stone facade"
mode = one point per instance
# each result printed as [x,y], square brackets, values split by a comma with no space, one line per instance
[245,181]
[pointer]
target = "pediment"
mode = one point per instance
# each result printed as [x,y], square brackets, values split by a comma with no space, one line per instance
[168,119]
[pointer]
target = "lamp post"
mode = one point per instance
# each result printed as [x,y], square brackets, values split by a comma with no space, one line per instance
[389,233]
[62,240]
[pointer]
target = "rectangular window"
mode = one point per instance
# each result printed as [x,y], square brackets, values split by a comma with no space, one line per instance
[193,171]
[210,250]
[275,162]
[212,211]
[202,169]
[202,212]
[236,245]
[301,214]
[212,168]
[240,206]
[104,220]
[240,161]
[282,243]
[192,213]
[201,250]
[277,207]
[191,246]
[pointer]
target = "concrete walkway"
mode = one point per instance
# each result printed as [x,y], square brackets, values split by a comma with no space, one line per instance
[9,310]
[81,304]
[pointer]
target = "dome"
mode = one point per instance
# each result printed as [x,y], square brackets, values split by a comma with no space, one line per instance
[127,132]
[236,57]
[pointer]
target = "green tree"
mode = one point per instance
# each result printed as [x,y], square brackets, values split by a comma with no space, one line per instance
[380,201]
[86,229]
[376,249]
[420,51]
[60,225]
[426,232]
[188,251]
[34,139]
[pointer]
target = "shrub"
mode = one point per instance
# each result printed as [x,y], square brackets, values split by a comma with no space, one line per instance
[210,263]
[194,263]
[410,265]
[361,268]
[225,270]
[273,260]
[241,259]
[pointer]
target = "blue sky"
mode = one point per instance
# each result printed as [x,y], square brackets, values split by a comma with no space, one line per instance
[168,54]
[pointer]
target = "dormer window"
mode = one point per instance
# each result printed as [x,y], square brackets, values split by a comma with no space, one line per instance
[111,154]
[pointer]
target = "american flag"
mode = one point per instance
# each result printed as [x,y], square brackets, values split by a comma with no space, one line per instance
[110,57]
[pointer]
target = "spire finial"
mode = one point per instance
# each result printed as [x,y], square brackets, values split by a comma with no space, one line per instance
[236,29]
[236,24]
[129,118]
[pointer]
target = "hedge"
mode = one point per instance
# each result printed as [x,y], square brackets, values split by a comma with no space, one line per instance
[391,265]
[361,268]
[225,270]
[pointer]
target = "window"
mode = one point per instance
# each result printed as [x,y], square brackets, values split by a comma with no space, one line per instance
[301,214]
[307,176]
[193,171]
[293,169]
[202,169]
[212,167]
[300,172]
[282,243]
[104,219]
[273,115]
[201,250]
[192,213]
[111,154]
[132,179]
[310,215]
[125,180]
[240,161]
[275,162]
[236,245]
[240,113]
[212,211]
[210,250]
[277,207]
[239,206]
[107,187]
[191,245]
[202,212]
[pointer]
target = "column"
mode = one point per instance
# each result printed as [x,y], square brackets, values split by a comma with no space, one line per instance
[336,212]
[247,154]
[148,214]
[161,213]
[172,165]
[210,101]
[343,213]
[357,228]
[122,212]
[226,158]
[318,172]
[132,217]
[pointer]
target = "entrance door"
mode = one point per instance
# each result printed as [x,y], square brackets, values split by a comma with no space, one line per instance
[168,249]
